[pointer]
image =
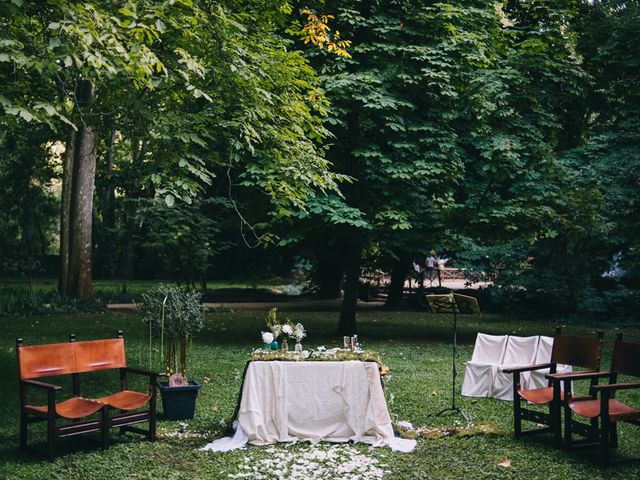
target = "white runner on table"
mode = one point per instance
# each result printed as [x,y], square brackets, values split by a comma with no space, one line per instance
[312,401]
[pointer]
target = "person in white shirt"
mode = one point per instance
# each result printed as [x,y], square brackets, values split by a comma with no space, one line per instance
[431,263]
[441,261]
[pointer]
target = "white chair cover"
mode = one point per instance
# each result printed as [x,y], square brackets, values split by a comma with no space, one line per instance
[536,378]
[520,351]
[488,352]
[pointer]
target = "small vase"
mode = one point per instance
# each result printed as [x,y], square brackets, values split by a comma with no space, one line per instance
[274,345]
[298,347]
[284,346]
[266,346]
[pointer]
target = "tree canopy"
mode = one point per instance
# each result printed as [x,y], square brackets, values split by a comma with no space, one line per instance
[354,133]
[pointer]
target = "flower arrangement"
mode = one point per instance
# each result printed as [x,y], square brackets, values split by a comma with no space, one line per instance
[321,354]
[284,331]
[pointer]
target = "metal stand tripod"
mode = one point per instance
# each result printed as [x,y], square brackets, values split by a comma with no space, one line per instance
[454,370]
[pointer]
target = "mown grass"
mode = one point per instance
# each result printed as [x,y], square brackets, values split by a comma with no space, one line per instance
[416,346]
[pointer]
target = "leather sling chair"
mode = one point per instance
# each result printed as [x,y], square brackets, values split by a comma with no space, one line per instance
[602,407]
[576,351]
[60,359]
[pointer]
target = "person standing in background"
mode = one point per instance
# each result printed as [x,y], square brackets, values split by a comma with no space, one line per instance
[440,262]
[431,263]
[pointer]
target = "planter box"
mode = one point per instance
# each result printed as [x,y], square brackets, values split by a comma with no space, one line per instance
[179,403]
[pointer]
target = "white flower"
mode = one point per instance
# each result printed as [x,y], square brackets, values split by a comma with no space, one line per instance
[287,329]
[299,332]
[267,337]
[276,330]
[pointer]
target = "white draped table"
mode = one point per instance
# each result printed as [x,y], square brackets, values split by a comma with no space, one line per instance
[312,401]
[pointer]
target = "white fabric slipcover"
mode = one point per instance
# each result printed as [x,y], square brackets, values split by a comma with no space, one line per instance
[520,351]
[313,401]
[488,353]
[536,378]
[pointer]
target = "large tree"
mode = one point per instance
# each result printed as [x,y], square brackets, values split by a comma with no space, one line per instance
[194,88]
[430,125]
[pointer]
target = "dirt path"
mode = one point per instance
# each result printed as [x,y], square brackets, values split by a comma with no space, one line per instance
[285,306]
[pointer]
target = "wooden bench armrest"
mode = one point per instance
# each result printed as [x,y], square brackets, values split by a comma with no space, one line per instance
[141,371]
[577,375]
[528,368]
[38,384]
[617,386]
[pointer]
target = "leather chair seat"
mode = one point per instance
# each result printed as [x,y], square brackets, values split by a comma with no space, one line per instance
[540,396]
[73,408]
[591,409]
[126,400]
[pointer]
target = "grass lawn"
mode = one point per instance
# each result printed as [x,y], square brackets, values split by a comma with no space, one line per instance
[414,345]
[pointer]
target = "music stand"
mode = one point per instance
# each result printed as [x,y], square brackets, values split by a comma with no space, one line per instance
[454,303]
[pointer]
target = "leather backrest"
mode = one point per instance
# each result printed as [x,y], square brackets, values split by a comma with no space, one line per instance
[36,361]
[99,355]
[626,358]
[577,351]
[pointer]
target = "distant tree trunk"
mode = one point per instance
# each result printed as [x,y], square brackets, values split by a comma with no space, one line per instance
[79,277]
[571,277]
[65,210]
[104,260]
[399,273]
[127,260]
[347,324]
[330,270]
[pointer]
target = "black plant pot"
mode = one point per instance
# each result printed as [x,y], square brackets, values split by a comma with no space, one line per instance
[179,403]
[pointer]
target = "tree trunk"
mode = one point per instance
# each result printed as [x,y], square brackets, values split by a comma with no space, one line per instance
[79,278]
[65,210]
[329,274]
[399,274]
[105,263]
[347,324]
[571,277]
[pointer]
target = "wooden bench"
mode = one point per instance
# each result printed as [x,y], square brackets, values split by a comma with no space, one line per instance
[84,415]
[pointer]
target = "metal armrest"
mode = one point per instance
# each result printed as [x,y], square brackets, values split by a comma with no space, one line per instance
[617,386]
[528,368]
[577,375]
[36,383]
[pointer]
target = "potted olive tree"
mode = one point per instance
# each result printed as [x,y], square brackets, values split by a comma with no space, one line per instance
[175,314]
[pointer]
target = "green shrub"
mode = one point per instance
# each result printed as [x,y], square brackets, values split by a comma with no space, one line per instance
[177,314]
[22,301]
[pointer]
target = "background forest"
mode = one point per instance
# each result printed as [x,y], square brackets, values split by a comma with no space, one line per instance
[195,140]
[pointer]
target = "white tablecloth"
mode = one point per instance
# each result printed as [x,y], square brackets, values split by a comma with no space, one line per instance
[313,401]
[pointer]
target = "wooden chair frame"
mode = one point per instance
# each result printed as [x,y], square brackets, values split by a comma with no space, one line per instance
[565,353]
[98,418]
[602,431]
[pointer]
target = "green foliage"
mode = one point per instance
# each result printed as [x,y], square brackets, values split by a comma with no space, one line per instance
[27,302]
[177,314]
[182,236]
[26,183]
